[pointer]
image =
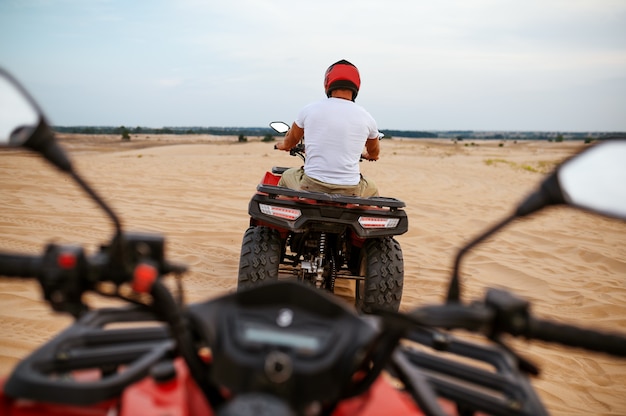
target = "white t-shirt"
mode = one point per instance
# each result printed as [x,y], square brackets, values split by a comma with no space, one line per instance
[335,131]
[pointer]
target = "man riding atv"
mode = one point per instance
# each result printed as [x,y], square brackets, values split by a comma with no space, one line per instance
[337,130]
[325,221]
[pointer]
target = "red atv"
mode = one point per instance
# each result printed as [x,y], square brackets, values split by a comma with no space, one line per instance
[318,238]
[281,349]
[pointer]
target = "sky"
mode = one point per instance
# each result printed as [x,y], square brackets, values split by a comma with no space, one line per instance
[515,65]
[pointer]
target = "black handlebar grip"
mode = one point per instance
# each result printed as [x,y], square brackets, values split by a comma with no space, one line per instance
[610,343]
[19,265]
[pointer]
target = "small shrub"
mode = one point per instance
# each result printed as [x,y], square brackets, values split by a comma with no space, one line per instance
[490,162]
[125,133]
[540,166]
[268,138]
[242,138]
[529,168]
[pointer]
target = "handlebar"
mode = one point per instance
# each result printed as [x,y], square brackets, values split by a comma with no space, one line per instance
[65,272]
[512,315]
[297,150]
[19,265]
[589,339]
[503,313]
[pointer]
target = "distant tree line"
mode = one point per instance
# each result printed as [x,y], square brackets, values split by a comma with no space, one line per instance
[410,134]
[218,131]
[244,132]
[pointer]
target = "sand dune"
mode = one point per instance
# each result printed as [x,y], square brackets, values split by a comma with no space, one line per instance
[570,264]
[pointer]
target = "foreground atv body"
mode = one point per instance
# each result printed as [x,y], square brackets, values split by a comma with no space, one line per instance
[123,361]
[318,238]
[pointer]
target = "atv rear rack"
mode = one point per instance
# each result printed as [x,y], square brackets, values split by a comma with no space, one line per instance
[376,201]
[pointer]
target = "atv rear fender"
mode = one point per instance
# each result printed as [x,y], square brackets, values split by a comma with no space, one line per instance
[326,212]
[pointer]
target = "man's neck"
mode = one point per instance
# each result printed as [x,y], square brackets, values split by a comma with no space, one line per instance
[342,93]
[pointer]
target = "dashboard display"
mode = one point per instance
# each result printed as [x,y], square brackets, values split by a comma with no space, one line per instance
[256,333]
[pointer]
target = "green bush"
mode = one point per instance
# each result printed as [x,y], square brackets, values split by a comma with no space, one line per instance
[125,133]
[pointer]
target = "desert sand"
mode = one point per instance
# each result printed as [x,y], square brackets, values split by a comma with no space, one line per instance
[195,189]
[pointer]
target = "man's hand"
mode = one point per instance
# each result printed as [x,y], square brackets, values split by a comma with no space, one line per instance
[281,146]
[292,138]
[366,156]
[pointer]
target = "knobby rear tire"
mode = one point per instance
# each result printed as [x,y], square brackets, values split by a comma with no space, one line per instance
[260,257]
[383,282]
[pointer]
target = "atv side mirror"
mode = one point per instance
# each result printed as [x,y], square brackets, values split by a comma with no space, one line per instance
[592,180]
[22,123]
[279,127]
[596,179]
[18,117]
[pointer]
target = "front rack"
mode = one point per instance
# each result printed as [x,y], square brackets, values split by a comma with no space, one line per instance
[476,377]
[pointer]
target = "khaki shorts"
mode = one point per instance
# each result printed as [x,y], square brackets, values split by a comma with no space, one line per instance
[295,178]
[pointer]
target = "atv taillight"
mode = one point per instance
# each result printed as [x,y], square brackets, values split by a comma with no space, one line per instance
[290,214]
[378,222]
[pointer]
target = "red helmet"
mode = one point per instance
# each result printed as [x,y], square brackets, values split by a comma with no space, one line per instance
[342,74]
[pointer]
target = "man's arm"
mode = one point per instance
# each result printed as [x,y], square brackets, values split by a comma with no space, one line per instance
[372,149]
[292,138]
